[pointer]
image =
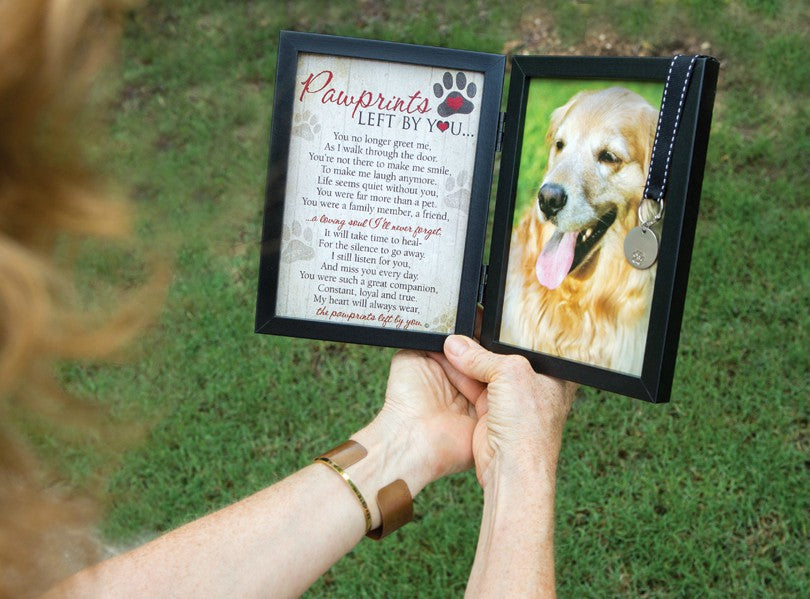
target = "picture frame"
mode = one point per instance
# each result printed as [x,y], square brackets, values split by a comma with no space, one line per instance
[529,260]
[329,230]
[376,205]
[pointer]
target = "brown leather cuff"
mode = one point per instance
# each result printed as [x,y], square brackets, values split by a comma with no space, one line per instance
[396,509]
[346,454]
[394,500]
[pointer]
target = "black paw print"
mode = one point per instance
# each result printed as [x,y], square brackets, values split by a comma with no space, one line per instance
[455,102]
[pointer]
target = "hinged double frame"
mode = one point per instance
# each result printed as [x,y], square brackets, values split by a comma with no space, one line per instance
[379,177]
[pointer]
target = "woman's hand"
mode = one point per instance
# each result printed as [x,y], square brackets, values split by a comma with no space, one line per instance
[520,413]
[425,426]
[516,444]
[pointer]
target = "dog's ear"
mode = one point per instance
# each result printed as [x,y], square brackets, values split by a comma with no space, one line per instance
[639,131]
[557,117]
[649,125]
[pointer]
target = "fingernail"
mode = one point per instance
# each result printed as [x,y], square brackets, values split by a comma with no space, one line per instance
[456,345]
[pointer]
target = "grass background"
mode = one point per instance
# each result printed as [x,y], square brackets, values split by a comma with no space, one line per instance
[705,496]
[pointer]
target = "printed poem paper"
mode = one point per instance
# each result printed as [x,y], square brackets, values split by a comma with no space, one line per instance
[377,195]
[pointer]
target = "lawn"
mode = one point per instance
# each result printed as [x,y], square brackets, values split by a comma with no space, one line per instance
[705,496]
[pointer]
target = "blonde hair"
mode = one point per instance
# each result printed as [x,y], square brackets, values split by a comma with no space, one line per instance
[51,51]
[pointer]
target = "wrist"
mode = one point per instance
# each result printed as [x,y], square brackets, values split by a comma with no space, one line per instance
[392,454]
[390,457]
[386,509]
[384,468]
[381,470]
[521,476]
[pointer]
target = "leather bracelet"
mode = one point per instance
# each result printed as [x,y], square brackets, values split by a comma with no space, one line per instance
[396,509]
[394,500]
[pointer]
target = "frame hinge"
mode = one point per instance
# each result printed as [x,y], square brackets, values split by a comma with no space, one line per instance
[499,135]
[482,283]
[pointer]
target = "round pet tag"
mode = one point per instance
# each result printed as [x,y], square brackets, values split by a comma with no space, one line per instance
[641,247]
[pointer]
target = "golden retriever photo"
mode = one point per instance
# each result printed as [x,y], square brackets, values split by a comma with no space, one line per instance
[570,292]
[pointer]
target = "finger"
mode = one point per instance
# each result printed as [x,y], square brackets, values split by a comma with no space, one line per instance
[405,358]
[482,406]
[404,354]
[471,359]
[469,388]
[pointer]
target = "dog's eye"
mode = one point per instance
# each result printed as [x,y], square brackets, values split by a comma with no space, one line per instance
[609,157]
[559,145]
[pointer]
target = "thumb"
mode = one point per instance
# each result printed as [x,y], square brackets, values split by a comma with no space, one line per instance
[471,359]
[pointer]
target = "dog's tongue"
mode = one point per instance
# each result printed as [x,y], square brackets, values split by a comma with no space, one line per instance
[556,258]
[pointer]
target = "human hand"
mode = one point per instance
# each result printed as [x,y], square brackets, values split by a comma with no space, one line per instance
[425,426]
[520,413]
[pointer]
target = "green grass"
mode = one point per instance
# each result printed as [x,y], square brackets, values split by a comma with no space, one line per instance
[706,496]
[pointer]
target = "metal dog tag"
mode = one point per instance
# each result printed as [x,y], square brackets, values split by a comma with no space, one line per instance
[641,247]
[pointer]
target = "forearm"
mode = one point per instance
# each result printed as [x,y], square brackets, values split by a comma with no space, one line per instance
[515,553]
[274,543]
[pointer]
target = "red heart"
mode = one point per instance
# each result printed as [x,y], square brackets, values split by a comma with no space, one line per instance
[455,102]
[443,125]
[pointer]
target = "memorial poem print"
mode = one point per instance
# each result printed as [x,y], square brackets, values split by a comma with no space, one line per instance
[378,187]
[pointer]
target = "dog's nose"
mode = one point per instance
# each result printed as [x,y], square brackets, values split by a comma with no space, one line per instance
[551,198]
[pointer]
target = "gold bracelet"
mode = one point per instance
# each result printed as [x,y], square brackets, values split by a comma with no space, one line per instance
[394,500]
[355,490]
[347,454]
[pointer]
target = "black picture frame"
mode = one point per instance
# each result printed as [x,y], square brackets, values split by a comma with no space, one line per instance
[291,46]
[654,382]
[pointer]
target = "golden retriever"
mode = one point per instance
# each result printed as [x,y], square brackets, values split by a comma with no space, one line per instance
[570,292]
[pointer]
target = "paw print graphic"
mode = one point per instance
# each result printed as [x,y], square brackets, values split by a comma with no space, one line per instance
[306,125]
[445,323]
[455,101]
[296,243]
[457,192]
